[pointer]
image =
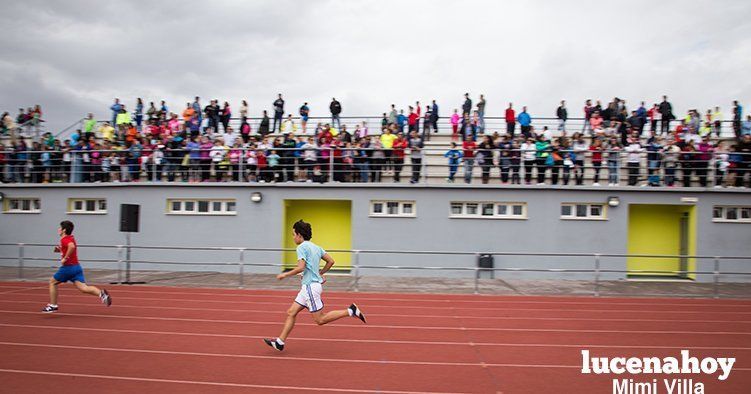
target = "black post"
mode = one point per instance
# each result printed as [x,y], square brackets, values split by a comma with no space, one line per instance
[129,214]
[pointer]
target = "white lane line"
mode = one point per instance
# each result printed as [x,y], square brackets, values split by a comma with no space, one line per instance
[607,301]
[442,308]
[276,323]
[379,341]
[196,382]
[249,356]
[23,289]
[309,359]
[411,316]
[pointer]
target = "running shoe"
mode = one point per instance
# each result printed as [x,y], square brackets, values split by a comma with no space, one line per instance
[273,343]
[356,312]
[49,309]
[105,297]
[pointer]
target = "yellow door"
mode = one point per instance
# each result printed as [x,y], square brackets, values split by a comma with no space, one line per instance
[332,228]
[661,230]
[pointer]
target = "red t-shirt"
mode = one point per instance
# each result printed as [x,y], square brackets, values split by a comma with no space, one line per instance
[399,145]
[596,153]
[469,149]
[65,243]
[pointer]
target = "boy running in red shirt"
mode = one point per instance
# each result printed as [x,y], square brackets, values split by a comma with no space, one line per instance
[70,270]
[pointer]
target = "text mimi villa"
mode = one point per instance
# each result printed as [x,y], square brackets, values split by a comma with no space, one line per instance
[684,365]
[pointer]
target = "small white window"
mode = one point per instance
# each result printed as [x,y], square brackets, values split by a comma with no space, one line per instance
[583,211]
[22,205]
[201,207]
[392,209]
[488,210]
[87,206]
[731,214]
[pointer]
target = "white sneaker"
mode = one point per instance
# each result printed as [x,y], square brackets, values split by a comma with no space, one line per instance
[616,184]
[595,184]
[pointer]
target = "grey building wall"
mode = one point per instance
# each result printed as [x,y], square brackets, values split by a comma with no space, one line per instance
[259,225]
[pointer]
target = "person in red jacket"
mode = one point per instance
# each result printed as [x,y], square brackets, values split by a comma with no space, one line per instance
[510,120]
[400,144]
[468,152]
[412,119]
[70,270]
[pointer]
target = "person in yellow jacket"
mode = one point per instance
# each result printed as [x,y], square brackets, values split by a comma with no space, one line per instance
[387,141]
[107,132]
[122,121]
[123,118]
[89,124]
[717,121]
[289,126]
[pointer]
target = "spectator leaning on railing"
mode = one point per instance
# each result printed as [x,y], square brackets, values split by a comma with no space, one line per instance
[165,147]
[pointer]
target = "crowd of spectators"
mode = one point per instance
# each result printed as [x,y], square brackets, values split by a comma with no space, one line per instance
[26,120]
[200,144]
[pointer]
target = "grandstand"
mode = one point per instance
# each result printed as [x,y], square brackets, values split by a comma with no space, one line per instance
[434,169]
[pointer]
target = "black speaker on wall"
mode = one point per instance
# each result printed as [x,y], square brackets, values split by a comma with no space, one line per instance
[129,214]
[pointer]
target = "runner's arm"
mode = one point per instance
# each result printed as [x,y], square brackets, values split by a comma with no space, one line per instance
[329,263]
[300,268]
[71,248]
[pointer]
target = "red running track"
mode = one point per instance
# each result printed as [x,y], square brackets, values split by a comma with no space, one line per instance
[168,339]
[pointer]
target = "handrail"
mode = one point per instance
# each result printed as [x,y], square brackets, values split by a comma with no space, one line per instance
[76,123]
[392,251]
[357,268]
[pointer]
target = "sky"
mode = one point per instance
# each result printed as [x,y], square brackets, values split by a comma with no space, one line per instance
[73,57]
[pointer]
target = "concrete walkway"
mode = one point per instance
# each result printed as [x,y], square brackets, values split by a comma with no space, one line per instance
[380,284]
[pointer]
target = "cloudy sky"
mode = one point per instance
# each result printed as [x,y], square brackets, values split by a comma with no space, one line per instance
[73,57]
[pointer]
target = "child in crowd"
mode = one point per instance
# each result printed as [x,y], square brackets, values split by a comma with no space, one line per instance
[454,155]
[274,169]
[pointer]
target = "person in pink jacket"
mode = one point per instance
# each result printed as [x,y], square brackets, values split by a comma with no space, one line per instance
[455,124]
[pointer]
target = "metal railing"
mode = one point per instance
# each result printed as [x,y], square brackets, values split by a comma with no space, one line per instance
[366,164]
[443,126]
[594,268]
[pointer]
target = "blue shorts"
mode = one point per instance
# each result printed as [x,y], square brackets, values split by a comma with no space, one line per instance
[70,273]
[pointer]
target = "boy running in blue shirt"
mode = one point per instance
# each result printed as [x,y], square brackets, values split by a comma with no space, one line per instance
[309,256]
